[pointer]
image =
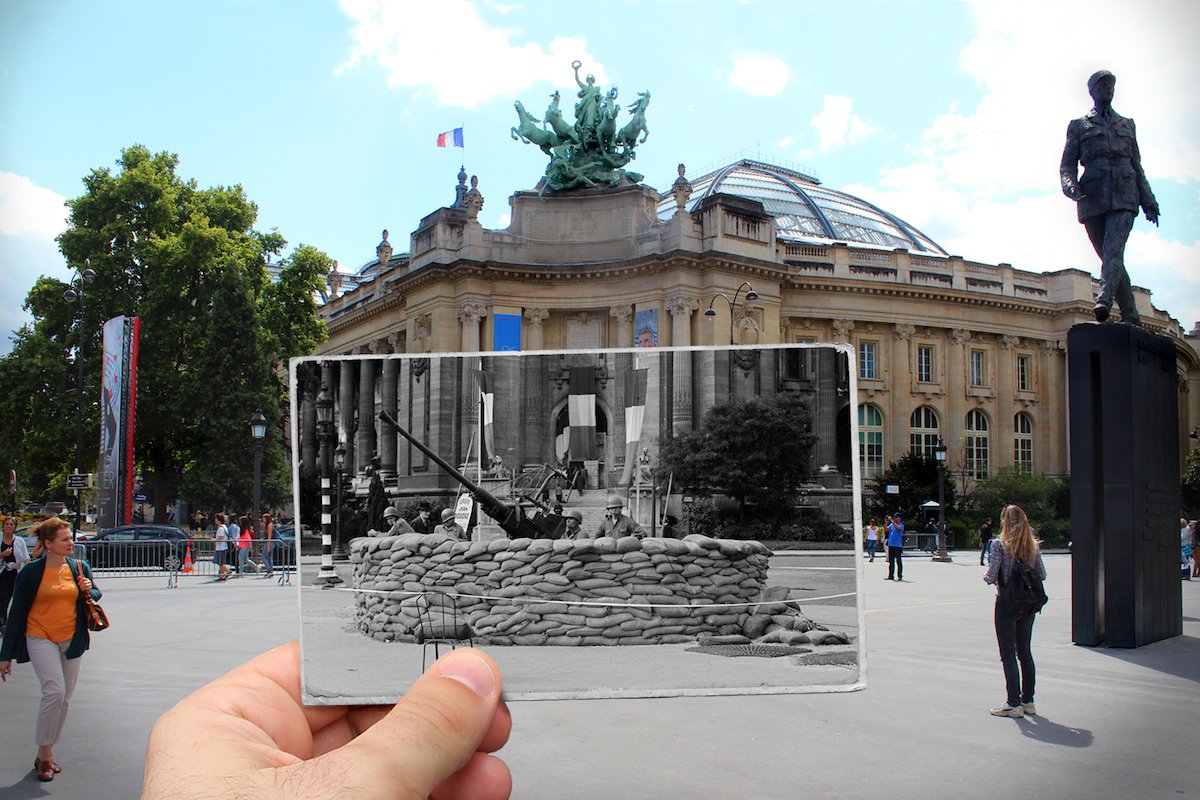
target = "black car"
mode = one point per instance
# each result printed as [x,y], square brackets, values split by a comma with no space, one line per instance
[161,546]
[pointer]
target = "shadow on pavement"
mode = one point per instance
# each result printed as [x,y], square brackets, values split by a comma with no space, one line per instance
[28,788]
[1043,730]
[1178,656]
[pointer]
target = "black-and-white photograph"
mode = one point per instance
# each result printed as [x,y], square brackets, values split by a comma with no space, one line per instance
[651,522]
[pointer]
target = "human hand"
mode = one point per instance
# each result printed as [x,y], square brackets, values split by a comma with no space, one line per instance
[84,584]
[1152,215]
[5,670]
[247,734]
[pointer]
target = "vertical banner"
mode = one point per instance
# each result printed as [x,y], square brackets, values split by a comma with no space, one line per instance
[506,332]
[645,327]
[118,404]
[487,400]
[581,413]
[635,411]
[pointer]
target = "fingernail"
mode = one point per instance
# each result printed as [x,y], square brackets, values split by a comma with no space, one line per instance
[470,670]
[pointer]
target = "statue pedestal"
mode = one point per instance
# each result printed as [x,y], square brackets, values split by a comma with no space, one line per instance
[1124,439]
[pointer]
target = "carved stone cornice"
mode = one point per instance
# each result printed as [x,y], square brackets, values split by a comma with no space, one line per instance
[960,336]
[536,316]
[682,305]
[621,314]
[841,329]
[1009,342]
[471,312]
[904,330]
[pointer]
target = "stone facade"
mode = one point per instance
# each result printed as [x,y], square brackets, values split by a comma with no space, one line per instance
[968,351]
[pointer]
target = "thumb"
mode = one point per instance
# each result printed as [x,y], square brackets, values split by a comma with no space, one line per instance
[428,736]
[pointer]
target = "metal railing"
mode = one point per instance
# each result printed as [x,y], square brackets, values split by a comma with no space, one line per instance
[188,558]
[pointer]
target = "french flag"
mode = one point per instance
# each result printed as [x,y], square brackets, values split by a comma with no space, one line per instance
[452,138]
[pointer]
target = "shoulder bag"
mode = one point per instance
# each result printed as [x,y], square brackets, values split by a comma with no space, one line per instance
[97,620]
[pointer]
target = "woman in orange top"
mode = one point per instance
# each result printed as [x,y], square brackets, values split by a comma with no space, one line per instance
[47,625]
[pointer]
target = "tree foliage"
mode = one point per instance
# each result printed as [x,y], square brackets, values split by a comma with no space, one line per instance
[214,333]
[917,478]
[1045,500]
[1190,485]
[755,452]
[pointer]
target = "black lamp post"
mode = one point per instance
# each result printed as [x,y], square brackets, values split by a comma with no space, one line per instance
[75,292]
[258,431]
[939,453]
[750,296]
[339,466]
[327,577]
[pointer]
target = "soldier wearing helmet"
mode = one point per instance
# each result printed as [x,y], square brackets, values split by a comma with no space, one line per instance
[396,524]
[1110,191]
[572,525]
[450,527]
[615,523]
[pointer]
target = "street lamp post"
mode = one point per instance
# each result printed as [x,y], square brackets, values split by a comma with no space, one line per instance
[85,278]
[750,296]
[258,431]
[939,453]
[327,577]
[339,466]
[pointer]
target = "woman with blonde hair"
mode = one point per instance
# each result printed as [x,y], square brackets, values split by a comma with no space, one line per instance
[47,625]
[1015,545]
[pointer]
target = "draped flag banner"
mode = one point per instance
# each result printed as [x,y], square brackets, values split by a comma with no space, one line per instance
[581,413]
[118,389]
[635,411]
[487,399]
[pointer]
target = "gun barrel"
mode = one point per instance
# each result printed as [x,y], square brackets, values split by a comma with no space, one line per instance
[505,515]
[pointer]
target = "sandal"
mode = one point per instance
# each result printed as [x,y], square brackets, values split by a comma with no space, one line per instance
[45,769]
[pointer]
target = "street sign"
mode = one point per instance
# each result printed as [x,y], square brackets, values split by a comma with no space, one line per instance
[79,480]
[893,488]
[462,510]
[140,498]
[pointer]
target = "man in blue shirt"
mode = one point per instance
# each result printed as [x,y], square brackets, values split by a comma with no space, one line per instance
[895,546]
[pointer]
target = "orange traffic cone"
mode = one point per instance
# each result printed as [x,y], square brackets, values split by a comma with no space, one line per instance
[187,560]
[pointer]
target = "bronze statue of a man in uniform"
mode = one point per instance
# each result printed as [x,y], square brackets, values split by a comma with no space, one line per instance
[1109,193]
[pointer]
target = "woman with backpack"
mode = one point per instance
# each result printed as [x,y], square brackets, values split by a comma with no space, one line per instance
[1014,553]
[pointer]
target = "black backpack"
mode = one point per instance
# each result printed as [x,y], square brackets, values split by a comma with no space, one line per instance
[1023,593]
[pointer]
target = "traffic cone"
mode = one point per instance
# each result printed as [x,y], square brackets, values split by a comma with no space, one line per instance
[187,560]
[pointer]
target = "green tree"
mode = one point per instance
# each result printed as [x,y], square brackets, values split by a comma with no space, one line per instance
[172,254]
[1045,501]
[755,452]
[1190,485]
[917,478]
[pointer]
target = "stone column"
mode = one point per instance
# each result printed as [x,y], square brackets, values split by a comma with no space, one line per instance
[345,406]
[469,316]
[624,317]
[536,330]
[898,405]
[1049,439]
[957,372]
[681,308]
[387,436]
[366,414]
[1002,420]
[308,420]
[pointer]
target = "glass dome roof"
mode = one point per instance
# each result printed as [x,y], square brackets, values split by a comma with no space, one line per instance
[803,209]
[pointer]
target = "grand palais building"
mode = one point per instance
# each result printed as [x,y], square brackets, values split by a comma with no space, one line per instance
[949,348]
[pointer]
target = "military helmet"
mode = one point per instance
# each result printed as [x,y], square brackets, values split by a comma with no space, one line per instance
[575,514]
[447,514]
[612,501]
[390,512]
[1099,76]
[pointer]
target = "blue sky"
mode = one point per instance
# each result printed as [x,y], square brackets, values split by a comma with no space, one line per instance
[950,115]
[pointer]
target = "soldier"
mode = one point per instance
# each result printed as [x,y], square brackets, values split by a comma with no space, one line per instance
[396,524]
[573,521]
[450,527]
[615,523]
[1110,191]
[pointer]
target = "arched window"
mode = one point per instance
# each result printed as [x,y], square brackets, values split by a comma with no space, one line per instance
[976,444]
[1023,441]
[924,435]
[870,441]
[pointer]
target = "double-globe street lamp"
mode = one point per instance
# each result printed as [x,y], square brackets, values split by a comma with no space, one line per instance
[75,292]
[258,431]
[939,454]
[750,297]
[327,577]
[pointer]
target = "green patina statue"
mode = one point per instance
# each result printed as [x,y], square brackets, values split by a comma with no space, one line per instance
[592,152]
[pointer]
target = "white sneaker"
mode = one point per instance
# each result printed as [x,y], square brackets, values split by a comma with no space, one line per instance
[1008,711]
[1029,708]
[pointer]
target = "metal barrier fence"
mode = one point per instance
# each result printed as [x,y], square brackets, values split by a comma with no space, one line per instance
[188,558]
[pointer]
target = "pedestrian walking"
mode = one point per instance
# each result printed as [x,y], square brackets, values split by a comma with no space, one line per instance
[270,535]
[985,540]
[1185,549]
[895,546]
[1014,632]
[245,541]
[872,539]
[1195,549]
[13,556]
[47,626]
[221,548]
[235,530]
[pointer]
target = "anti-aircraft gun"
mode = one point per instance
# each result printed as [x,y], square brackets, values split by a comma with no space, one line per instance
[511,518]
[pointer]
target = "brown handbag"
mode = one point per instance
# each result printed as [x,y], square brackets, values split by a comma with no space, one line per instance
[97,620]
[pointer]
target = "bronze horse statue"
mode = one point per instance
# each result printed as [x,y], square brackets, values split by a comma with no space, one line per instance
[530,130]
[637,125]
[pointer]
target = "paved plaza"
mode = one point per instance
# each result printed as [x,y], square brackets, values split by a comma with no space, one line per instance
[1112,723]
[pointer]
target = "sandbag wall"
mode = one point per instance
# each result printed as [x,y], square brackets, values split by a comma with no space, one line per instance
[601,591]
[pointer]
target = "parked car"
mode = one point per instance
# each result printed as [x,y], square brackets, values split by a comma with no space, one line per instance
[55,509]
[137,546]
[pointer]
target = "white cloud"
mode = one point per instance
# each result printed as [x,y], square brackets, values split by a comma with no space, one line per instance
[448,49]
[26,208]
[759,74]
[837,125]
[786,142]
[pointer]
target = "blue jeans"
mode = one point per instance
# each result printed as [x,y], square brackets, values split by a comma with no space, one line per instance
[985,548]
[1014,635]
[871,547]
